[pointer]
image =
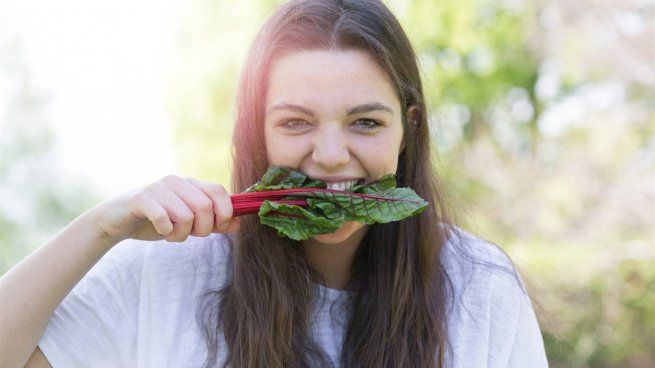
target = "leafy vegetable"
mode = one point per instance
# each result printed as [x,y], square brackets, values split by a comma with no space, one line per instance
[300,208]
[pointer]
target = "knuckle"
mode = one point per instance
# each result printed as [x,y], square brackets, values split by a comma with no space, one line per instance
[171,178]
[223,219]
[206,205]
[185,216]
[156,188]
[218,189]
[149,188]
[138,197]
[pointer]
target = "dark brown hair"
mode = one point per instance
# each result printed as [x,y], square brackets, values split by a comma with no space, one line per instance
[397,315]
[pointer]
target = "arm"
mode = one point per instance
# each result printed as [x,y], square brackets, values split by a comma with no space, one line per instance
[528,345]
[32,289]
[172,209]
[515,337]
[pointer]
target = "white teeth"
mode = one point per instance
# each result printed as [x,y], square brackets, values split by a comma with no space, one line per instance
[342,185]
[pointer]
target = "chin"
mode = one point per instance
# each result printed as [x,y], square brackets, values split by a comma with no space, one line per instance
[346,230]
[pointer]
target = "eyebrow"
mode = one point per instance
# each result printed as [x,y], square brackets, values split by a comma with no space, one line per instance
[359,109]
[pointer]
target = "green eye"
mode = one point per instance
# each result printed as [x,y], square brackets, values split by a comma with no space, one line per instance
[369,124]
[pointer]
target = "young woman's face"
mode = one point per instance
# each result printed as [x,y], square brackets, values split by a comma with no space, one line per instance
[335,116]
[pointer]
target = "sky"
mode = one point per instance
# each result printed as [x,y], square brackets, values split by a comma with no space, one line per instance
[105,66]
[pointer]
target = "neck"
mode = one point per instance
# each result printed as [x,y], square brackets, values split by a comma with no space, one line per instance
[333,261]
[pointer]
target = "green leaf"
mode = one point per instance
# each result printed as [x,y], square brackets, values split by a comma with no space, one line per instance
[283,177]
[295,222]
[326,209]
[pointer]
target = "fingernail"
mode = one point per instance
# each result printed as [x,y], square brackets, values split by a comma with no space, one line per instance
[224,226]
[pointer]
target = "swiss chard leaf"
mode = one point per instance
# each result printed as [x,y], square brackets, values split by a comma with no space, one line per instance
[328,209]
[296,222]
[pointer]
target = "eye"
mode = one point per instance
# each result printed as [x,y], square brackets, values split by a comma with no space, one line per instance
[368,124]
[294,124]
[364,124]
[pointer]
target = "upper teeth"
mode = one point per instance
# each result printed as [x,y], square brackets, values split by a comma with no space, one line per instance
[342,185]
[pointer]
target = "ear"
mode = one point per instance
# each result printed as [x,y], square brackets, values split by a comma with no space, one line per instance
[412,115]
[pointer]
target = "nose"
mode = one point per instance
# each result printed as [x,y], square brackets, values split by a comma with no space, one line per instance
[331,149]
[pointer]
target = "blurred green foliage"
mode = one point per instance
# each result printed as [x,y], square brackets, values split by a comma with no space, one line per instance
[613,324]
[36,202]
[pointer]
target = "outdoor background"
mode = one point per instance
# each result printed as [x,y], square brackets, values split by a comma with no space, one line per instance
[542,114]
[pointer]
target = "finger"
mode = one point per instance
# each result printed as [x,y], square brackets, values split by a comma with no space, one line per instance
[178,211]
[200,204]
[146,207]
[233,226]
[221,199]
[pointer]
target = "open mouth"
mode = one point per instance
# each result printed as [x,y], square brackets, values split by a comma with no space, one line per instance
[345,185]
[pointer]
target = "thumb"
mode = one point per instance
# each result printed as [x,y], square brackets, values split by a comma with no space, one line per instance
[232,226]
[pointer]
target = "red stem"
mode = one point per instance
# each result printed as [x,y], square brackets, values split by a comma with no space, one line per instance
[273,194]
[249,202]
[244,207]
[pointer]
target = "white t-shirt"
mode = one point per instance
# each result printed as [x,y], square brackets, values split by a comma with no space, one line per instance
[137,308]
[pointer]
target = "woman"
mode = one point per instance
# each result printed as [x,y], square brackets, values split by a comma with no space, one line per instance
[331,88]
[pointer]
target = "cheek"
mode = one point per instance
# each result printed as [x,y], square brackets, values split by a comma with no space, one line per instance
[378,156]
[284,151]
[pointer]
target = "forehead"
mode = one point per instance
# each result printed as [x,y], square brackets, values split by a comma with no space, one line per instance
[329,78]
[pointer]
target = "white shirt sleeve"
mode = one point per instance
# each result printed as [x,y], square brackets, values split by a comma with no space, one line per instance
[95,324]
[491,322]
[514,336]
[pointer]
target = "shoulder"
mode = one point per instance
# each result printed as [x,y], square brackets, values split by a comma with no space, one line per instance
[469,259]
[473,263]
[481,279]
[463,250]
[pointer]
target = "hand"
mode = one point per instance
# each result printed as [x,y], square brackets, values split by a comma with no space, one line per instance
[172,208]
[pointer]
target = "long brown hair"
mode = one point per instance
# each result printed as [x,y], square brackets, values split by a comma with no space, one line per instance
[397,315]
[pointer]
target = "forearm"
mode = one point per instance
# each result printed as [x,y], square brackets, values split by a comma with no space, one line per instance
[31,291]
